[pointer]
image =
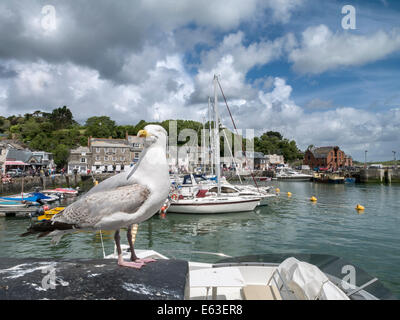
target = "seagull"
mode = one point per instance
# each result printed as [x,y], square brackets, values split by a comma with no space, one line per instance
[121,201]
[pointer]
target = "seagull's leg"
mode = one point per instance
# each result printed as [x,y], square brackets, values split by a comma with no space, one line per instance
[121,261]
[133,254]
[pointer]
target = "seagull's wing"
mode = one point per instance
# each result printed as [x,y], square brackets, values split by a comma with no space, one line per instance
[119,180]
[116,181]
[90,209]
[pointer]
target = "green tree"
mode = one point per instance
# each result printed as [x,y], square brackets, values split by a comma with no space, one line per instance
[273,142]
[62,118]
[61,154]
[100,127]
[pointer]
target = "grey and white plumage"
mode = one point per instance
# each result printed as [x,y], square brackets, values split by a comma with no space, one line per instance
[122,200]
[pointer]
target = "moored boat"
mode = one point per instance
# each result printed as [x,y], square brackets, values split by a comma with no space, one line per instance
[211,205]
[63,191]
[49,214]
[13,204]
[286,174]
[272,277]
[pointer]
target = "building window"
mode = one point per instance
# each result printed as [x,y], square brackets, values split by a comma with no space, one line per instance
[137,155]
[97,150]
[114,158]
[122,150]
[83,160]
[122,158]
[114,150]
[97,158]
[105,158]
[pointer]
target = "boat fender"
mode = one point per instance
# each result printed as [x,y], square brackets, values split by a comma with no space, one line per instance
[289,194]
[360,207]
[313,199]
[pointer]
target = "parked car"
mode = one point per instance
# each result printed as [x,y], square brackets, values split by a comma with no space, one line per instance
[16,173]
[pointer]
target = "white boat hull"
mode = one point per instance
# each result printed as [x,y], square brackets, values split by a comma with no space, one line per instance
[211,206]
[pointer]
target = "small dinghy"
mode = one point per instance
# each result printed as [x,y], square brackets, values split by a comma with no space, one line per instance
[12,204]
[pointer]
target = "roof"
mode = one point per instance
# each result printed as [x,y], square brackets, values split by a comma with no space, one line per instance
[109,143]
[18,155]
[80,150]
[136,139]
[321,152]
[15,163]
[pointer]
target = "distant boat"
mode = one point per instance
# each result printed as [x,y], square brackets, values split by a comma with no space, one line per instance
[50,213]
[12,204]
[64,191]
[30,197]
[328,178]
[350,180]
[292,175]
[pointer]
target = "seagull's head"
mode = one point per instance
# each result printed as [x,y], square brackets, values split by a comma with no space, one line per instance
[153,134]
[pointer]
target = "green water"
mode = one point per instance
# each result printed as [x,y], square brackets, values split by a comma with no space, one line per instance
[370,240]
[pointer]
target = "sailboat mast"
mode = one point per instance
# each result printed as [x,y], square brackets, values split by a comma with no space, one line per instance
[211,137]
[204,145]
[216,139]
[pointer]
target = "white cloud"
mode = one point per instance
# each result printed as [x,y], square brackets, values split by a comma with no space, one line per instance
[321,49]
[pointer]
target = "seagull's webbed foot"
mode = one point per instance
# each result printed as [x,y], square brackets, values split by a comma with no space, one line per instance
[129,264]
[121,262]
[144,261]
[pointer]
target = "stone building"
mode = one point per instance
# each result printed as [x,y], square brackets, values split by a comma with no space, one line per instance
[274,159]
[136,144]
[111,155]
[80,160]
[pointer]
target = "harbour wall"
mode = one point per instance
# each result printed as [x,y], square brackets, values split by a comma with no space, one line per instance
[85,182]
[30,183]
[372,175]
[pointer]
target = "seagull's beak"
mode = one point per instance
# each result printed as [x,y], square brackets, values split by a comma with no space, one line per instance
[143,134]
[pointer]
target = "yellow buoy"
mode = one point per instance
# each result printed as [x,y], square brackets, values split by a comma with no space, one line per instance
[360,207]
[289,194]
[277,190]
[313,199]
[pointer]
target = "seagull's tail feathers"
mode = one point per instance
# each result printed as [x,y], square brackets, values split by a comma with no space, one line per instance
[46,227]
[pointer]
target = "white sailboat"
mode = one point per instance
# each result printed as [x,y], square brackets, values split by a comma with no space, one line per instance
[219,203]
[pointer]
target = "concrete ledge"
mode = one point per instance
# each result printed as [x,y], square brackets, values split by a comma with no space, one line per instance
[94,279]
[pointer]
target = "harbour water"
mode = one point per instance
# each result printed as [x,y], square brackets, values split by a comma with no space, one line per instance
[369,239]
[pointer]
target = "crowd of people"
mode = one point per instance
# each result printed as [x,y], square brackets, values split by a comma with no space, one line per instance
[9,176]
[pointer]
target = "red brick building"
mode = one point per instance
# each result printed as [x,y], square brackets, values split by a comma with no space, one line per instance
[327,157]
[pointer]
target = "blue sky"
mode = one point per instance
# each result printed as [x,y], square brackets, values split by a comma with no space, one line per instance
[285,65]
